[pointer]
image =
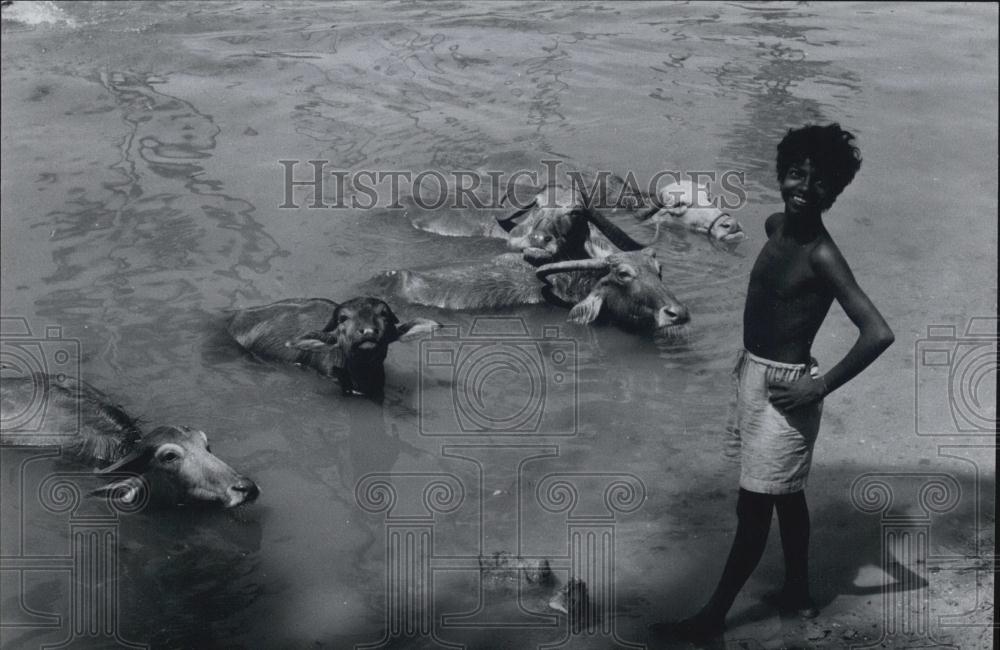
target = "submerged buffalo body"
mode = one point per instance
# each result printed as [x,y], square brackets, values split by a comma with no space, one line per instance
[348,341]
[171,465]
[624,289]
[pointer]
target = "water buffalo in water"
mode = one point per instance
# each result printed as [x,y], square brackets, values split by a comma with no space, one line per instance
[553,226]
[682,204]
[625,288]
[348,341]
[686,205]
[171,465]
[564,223]
[556,226]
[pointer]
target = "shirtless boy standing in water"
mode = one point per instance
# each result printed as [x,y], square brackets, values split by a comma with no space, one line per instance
[779,392]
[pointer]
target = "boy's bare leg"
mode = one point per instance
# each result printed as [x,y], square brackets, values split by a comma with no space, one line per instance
[753,512]
[793,522]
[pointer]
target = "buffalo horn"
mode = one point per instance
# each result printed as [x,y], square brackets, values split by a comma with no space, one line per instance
[649,213]
[571,265]
[616,235]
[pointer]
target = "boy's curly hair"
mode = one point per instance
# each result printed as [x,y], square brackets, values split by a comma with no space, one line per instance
[830,148]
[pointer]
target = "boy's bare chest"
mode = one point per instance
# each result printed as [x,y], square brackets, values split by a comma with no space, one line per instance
[783,270]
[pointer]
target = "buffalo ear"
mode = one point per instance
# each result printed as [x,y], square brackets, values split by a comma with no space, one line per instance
[127,491]
[596,248]
[586,310]
[137,461]
[314,340]
[509,223]
[414,328]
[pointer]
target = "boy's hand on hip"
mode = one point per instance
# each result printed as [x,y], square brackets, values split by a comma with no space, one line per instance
[788,396]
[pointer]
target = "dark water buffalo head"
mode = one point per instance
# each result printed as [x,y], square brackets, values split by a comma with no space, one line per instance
[556,234]
[552,226]
[174,465]
[629,292]
[360,331]
[556,226]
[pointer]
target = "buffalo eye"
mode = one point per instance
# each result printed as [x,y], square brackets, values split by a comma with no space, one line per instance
[168,457]
[342,319]
[624,274]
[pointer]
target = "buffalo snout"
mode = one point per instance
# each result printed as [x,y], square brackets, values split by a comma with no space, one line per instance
[363,325]
[674,313]
[244,491]
[366,338]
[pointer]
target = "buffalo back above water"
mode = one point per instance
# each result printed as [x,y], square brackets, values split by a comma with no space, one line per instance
[625,289]
[499,282]
[71,414]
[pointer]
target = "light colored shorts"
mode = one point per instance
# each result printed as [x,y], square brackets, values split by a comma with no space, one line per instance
[774,448]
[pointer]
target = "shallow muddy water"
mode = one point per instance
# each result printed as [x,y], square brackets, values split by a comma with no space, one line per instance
[140,201]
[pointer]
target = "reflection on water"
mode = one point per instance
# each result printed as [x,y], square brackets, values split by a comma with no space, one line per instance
[141,187]
[156,238]
[773,82]
[208,563]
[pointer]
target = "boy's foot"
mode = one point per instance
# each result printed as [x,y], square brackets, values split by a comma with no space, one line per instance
[696,628]
[804,608]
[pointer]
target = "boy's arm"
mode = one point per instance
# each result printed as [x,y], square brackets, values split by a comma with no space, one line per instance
[873,338]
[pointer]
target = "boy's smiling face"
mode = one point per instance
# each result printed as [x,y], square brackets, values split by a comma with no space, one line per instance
[805,189]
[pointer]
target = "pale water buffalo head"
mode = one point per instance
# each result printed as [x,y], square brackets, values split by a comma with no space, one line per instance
[359,333]
[688,205]
[629,292]
[174,465]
